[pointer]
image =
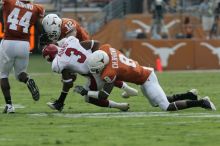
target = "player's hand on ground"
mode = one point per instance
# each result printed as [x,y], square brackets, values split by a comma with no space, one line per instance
[81,90]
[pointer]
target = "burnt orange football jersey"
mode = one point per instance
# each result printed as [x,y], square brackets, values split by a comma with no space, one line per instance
[122,68]
[68,25]
[19,17]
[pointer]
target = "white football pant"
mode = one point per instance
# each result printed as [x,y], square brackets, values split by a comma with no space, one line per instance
[154,93]
[13,54]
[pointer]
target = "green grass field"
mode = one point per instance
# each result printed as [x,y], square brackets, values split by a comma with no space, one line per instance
[82,124]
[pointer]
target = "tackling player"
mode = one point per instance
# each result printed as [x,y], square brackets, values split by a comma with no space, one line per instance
[59,30]
[56,29]
[69,59]
[111,64]
[19,16]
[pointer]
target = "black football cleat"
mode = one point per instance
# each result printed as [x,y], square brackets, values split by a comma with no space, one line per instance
[56,105]
[193,94]
[33,89]
[207,104]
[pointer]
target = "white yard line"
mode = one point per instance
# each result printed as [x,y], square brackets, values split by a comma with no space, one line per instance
[15,105]
[129,115]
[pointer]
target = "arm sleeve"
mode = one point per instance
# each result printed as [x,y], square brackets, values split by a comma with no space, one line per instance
[107,89]
[102,94]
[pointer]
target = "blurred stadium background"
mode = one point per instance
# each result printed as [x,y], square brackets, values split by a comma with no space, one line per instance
[148,30]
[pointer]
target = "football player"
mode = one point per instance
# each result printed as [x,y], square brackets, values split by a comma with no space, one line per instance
[69,59]
[56,29]
[19,16]
[111,64]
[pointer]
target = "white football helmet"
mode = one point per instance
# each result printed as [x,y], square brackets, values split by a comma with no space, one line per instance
[52,26]
[97,61]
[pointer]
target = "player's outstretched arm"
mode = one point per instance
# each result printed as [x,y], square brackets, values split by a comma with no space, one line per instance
[102,94]
[90,44]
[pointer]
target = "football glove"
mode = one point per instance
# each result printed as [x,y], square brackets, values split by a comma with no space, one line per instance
[80,90]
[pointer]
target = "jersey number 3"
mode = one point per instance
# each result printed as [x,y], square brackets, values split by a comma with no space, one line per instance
[70,51]
[24,21]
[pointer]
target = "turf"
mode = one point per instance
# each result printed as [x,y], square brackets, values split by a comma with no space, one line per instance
[37,125]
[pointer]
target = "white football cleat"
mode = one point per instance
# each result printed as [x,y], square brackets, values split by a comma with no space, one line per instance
[9,109]
[208,104]
[125,95]
[123,107]
[129,91]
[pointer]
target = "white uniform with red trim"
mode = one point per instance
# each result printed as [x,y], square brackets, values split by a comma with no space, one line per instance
[72,56]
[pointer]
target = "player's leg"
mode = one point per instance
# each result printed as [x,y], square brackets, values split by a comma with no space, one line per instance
[68,78]
[59,103]
[205,103]
[107,103]
[156,96]
[190,95]
[154,93]
[6,64]
[20,67]
[6,92]
[33,88]
[95,83]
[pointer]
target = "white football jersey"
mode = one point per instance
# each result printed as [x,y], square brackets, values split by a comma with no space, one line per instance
[71,56]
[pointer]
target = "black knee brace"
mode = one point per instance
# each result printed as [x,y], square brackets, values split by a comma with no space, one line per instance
[23,77]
